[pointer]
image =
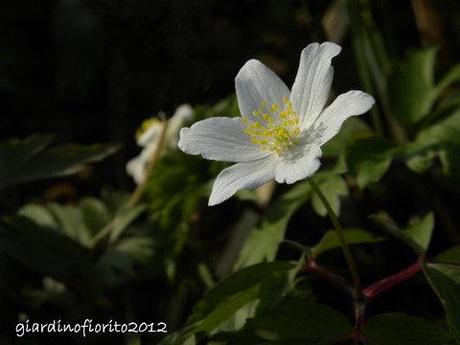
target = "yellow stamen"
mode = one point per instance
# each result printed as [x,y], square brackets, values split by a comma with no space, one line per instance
[274,129]
[146,125]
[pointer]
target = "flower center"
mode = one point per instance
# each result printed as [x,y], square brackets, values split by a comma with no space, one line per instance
[146,125]
[276,128]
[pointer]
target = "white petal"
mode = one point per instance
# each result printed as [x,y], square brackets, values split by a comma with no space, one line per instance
[313,81]
[135,167]
[182,114]
[152,134]
[256,83]
[220,138]
[298,165]
[248,175]
[345,105]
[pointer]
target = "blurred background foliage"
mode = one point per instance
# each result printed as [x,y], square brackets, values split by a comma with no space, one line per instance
[90,71]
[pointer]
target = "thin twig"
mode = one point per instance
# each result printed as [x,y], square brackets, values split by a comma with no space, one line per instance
[387,283]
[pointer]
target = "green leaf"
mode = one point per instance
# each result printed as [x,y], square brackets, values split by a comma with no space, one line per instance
[123,219]
[401,329]
[331,240]
[67,219]
[58,256]
[70,220]
[444,277]
[411,86]
[352,128]
[85,221]
[451,256]
[333,188]
[441,139]
[139,248]
[297,320]
[420,231]
[448,292]
[119,260]
[449,270]
[31,159]
[262,243]
[174,195]
[419,155]
[451,76]
[369,159]
[231,294]
[272,290]
[417,234]
[95,214]
[39,214]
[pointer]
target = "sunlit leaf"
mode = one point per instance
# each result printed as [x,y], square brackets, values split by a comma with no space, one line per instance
[421,230]
[231,294]
[440,139]
[369,158]
[417,234]
[64,218]
[262,243]
[330,240]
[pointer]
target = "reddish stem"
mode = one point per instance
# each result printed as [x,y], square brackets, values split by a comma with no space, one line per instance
[387,283]
[312,267]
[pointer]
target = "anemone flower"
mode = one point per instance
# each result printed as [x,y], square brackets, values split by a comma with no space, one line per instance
[280,132]
[148,137]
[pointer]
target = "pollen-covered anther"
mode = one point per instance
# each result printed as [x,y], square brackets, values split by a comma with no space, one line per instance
[274,128]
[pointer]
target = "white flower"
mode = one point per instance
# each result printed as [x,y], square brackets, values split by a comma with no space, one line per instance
[280,132]
[148,137]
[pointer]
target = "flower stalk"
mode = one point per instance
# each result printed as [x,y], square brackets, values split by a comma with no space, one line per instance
[135,197]
[346,250]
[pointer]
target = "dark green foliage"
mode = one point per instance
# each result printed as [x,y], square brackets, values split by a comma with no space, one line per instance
[296,320]
[59,257]
[413,78]
[369,158]
[401,329]
[32,159]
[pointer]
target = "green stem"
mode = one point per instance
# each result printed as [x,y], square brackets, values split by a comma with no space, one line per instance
[343,242]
